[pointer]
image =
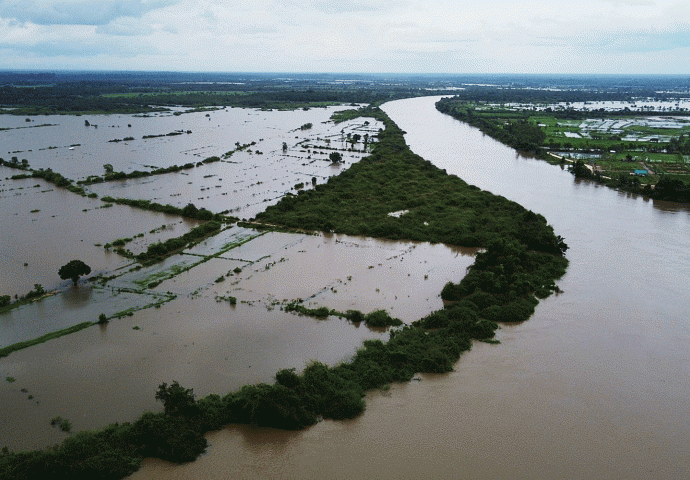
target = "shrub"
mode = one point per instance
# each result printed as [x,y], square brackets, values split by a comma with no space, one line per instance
[5,300]
[355,316]
[380,318]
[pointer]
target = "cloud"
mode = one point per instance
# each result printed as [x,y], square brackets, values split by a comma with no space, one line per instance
[349,35]
[345,6]
[77,12]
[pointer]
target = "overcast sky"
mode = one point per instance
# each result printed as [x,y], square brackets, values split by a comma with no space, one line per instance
[387,36]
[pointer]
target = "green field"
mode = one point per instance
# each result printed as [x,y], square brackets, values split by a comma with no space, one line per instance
[610,143]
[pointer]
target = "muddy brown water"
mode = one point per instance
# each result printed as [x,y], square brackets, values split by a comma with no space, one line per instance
[107,374]
[594,385]
[44,227]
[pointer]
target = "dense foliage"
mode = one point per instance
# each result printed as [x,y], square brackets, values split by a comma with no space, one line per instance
[667,188]
[189,211]
[440,208]
[160,249]
[73,270]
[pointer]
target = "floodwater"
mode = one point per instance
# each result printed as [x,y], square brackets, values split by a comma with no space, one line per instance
[106,374]
[594,385]
[244,183]
[44,227]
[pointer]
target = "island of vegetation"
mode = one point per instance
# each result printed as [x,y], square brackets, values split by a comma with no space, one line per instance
[521,260]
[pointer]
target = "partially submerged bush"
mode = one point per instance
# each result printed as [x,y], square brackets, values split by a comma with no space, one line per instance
[380,318]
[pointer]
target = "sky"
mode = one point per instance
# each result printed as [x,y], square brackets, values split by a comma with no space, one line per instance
[348,36]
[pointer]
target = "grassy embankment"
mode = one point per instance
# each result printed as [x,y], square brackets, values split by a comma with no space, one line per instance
[522,260]
[596,137]
[42,339]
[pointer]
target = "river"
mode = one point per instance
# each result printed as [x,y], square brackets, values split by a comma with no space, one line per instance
[594,385]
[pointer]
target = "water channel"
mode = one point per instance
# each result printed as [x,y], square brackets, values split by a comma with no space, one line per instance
[594,385]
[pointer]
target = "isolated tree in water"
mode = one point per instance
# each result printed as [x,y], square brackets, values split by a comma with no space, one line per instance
[73,270]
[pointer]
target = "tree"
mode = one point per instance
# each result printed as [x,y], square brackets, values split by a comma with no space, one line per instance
[176,399]
[73,270]
[190,211]
[336,157]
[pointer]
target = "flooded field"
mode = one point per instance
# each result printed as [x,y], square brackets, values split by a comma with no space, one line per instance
[44,227]
[633,129]
[175,320]
[647,104]
[264,154]
[107,374]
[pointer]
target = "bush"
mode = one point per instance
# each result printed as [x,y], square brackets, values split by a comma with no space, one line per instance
[355,316]
[168,437]
[380,318]
[288,378]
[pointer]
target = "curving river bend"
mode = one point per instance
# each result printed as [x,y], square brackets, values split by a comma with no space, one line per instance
[595,385]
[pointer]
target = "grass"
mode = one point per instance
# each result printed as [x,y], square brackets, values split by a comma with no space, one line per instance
[5,351]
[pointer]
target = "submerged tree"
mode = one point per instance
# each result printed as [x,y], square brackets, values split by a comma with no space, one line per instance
[73,270]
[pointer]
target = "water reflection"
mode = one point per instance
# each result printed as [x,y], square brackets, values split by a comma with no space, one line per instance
[76,297]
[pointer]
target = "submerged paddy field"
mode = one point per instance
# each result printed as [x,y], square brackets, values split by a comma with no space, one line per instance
[224,324]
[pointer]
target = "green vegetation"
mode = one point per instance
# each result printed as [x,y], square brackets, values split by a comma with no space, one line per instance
[29,343]
[441,208]
[15,163]
[159,250]
[377,318]
[190,211]
[380,318]
[73,270]
[64,424]
[230,300]
[113,175]
[58,180]
[37,293]
[628,150]
[126,93]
